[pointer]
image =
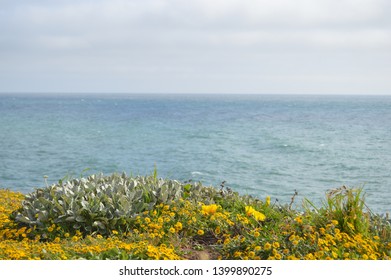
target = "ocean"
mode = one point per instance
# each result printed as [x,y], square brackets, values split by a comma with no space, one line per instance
[261,145]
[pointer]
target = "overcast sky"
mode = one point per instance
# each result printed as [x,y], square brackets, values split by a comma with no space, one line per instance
[203,46]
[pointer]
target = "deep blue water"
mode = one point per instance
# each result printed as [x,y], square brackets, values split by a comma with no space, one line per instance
[259,144]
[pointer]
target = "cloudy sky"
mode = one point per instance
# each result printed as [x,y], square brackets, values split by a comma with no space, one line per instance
[189,46]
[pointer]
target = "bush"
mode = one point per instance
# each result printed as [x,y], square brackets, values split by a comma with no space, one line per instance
[98,203]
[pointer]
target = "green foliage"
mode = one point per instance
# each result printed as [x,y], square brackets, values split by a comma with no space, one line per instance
[98,203]
[152,218]
[347,206]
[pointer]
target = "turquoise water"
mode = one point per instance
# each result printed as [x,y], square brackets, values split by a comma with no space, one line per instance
[259,144]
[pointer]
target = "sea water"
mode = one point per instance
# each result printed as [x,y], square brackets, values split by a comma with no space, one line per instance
[262,145]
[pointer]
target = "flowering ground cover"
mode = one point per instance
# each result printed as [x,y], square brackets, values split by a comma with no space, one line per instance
[175,221]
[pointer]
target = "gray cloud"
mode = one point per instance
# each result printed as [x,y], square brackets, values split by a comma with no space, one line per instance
[196,46]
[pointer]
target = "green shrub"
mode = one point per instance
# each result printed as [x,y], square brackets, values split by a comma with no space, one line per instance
[98,203]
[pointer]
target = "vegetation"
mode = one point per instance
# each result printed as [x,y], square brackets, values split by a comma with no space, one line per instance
[121,217]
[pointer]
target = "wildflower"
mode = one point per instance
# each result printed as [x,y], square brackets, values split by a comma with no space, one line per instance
[267,246]
[252,212]
[249,210]
[172,230]
[276,245]
[334,254]
[200,232]
[256,234]
[66,235]
[299,219]
[309,256]
[209,209]
[178,226]
[267,201]
[217,230]
[50,229]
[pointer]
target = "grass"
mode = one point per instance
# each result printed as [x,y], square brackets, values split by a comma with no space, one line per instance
[215,224]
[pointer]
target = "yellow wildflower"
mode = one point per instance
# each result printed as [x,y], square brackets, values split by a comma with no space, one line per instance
[250,211]
[200,232]
[278,256]
[209,209]
[299,219]
[334,254]
[351,226]
[267,201]
[178,226]
[267,246]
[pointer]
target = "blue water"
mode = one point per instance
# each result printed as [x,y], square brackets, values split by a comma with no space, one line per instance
[259,144]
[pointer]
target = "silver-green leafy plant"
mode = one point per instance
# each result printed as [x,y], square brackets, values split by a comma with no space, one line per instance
[101,203]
